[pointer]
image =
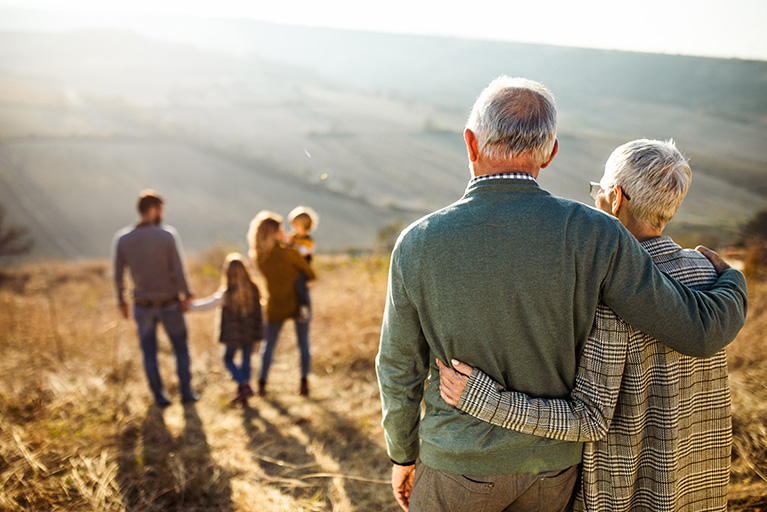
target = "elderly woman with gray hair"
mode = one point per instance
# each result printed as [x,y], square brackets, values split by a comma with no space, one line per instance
[658,421]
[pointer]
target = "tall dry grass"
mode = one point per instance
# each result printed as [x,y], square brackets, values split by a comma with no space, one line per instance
[746,358]
[78,430]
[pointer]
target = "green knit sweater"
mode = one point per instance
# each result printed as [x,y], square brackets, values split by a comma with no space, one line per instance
[508,279]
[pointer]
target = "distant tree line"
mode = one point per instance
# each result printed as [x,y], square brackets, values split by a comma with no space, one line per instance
[755,229]
[387,236]
[754,237]
[14,239]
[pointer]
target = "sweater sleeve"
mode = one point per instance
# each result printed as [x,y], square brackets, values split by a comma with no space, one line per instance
[118,270]
[585,416]
[402,367]
[695,323]
[207,303]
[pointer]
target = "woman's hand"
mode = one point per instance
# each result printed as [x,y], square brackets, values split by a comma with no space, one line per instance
[452,382]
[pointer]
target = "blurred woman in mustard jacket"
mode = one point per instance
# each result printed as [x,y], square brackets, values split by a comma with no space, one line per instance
[281,266]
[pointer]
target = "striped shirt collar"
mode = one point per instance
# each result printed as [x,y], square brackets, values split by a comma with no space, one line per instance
[501,176]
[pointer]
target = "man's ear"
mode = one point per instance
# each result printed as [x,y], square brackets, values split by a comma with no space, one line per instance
[554,152]
[471,144]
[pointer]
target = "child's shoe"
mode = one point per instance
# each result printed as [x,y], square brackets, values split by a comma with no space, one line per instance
[240,394]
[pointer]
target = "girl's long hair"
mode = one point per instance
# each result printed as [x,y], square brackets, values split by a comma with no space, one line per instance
[240,292]
[261,234]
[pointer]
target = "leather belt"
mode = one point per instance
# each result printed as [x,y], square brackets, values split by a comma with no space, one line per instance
[155,304]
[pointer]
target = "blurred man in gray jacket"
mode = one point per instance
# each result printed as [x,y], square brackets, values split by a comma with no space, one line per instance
[152,253]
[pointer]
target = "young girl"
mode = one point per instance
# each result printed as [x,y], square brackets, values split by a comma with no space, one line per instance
[281,267]
[240,325]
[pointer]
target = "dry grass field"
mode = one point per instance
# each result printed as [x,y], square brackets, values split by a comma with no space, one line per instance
[78,430]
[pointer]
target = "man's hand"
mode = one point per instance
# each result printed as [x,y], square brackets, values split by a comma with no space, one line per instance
[719,264]
[452,382]
[184,304]
[123,310]
[402,484]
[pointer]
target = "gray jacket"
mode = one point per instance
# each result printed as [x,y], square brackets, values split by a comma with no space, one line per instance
[153,255]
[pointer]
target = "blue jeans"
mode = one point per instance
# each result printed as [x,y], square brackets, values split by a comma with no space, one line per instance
[272,333]
[240,374]
[172,319]
[302,291]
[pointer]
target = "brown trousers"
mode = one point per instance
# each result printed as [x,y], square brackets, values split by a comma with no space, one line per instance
[438,491]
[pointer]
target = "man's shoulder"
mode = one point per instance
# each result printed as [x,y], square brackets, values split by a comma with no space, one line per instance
[561,209]
[427,225]
[170,230]
[581,209]
[581,220]
[144,233]
[120,233]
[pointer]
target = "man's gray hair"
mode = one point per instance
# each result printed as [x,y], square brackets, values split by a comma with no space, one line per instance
[654,174]
[514,116]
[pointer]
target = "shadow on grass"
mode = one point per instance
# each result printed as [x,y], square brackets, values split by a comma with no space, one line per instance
[158,472]
[283,460]
[358,457]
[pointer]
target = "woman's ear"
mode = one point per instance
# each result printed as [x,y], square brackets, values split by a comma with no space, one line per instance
[618,199]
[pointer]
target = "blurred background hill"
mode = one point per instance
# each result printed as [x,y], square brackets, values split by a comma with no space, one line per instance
[226,117]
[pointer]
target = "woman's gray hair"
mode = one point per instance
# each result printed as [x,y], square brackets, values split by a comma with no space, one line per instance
[654,174]
[514,116]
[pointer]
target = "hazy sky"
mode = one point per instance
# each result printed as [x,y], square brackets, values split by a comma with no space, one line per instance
[697,27]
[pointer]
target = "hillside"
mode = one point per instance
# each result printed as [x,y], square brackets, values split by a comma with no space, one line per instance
[78,430]
[228,117]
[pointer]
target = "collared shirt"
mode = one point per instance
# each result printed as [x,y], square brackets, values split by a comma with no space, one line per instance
[501,176]
[659,421]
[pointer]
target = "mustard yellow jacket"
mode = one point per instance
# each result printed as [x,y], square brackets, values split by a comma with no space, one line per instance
[281,269]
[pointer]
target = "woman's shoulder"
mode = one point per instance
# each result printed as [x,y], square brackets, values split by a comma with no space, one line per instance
[286,251]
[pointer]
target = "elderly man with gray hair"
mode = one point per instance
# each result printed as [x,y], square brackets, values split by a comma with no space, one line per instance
[508,279]
[659,420]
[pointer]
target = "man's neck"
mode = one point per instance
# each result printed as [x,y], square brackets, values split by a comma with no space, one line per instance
[497,167]
[145,222]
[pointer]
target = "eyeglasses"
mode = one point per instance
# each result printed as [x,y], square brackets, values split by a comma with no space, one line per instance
[595,188]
